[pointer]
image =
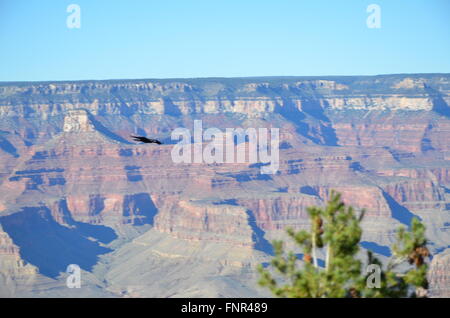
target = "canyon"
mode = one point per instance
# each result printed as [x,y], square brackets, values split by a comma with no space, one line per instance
[74,188]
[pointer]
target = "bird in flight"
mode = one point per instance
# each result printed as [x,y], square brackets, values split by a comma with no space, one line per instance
[146,140]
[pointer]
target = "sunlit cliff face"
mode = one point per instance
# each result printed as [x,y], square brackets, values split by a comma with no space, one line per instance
[76,190]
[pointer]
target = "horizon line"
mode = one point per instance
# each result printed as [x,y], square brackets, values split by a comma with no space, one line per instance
[216,78]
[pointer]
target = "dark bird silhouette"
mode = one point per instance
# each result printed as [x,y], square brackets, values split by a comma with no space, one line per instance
[146,140]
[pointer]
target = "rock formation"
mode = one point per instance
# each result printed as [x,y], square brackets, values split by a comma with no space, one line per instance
[75,189]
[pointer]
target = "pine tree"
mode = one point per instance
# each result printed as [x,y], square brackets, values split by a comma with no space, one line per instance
[336,231]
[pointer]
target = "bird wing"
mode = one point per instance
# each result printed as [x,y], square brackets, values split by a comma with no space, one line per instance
[146,140]
[140,138]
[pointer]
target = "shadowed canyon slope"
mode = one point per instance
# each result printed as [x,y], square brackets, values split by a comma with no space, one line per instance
[75,189]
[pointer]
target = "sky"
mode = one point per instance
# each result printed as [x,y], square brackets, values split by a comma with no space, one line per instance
[121,39]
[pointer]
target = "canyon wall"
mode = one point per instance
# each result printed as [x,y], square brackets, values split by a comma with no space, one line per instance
[72,180]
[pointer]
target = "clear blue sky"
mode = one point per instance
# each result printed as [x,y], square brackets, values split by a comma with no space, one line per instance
[209,38]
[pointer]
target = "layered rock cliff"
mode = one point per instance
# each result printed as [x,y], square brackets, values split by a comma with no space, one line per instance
[71,180]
